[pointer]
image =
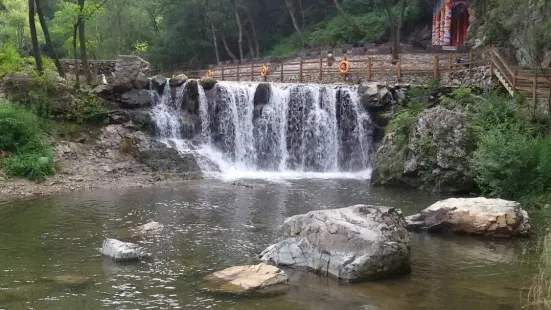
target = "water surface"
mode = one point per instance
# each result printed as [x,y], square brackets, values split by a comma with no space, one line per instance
[212,225]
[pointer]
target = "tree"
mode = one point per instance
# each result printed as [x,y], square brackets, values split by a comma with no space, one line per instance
[289,5]
[48,39]
[395,24]
[357,30]
[34,38]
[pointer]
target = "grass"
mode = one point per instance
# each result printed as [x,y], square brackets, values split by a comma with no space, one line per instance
[539,295]
[25,152]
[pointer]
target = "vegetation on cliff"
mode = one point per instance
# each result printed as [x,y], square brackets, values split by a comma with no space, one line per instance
[510,155]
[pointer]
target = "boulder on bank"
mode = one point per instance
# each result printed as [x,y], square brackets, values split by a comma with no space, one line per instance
[162,158]
[432,157]
[357,243]
[122,251]
[477,216]
[242,279]
[158,82]
[136,99]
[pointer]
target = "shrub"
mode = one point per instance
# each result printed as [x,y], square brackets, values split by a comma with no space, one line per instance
[22,138]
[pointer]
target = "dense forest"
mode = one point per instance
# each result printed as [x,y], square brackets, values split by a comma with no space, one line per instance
[192,31]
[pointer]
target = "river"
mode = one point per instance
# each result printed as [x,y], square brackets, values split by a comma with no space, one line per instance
[211,225]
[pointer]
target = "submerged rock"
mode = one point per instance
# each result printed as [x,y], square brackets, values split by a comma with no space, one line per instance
[151,228]
[71,280]
[241,279]
[477,216]
[122,251]
[354,244]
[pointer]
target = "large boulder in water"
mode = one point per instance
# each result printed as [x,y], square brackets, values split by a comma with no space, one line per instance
[477,216]
[241,279]
[122,251]
[178,80]
[191,98]
[208,83]
[357,243]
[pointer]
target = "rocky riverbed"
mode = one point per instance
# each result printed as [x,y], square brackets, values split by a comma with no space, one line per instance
[111,157]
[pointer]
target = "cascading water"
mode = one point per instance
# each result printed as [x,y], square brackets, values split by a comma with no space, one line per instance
[166,112]
[302,130]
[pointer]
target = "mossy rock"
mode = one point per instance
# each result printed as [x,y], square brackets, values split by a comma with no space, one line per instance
[191,100]
[178,80]
[208,83]
[262,94]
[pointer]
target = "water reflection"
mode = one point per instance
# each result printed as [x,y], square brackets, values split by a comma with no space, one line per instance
[211,225]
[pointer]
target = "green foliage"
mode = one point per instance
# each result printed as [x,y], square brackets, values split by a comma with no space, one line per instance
[287,47]
[10,60]
[407,113]
[512,159]
[22,138]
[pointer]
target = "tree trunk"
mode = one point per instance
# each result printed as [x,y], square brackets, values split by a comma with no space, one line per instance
[48,39]
[82,41]
[249,42]
[393,30]
[240,28]
[215,43]
[400,24]
[253,28]
[357,30]
[227,48]
[77,69]
[302,14]
[295,23]
[34,38]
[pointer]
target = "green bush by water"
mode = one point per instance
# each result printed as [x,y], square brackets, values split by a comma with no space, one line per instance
[512,159]
[25,152]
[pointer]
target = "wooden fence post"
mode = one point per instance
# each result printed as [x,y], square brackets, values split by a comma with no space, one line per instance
[369,62]
[436,68]
[321,69]
[450,63]
[470,64]
[300,68]
[515,75]
[535,88]
[238,77]
[222,73]
[252,72]
[492,60]
[282,62]
[399,68]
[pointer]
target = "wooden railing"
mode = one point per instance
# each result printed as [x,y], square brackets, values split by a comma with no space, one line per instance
[411,68]
[365,67]
[532,83]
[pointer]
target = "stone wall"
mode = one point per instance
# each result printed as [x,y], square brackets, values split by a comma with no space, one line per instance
[97,67]
[124,67]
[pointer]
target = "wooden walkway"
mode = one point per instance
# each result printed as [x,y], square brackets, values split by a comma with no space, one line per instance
[411,68]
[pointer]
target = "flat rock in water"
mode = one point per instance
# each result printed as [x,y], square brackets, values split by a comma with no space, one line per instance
[241,279]
[477,216]
[122,251]
[357,243]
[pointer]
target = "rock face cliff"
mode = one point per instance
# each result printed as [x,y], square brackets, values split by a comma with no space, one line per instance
[434,156]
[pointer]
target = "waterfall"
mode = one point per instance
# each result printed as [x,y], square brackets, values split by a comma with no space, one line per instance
[300,130]
[166,113]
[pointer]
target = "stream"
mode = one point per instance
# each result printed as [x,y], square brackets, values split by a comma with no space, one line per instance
[211,225]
